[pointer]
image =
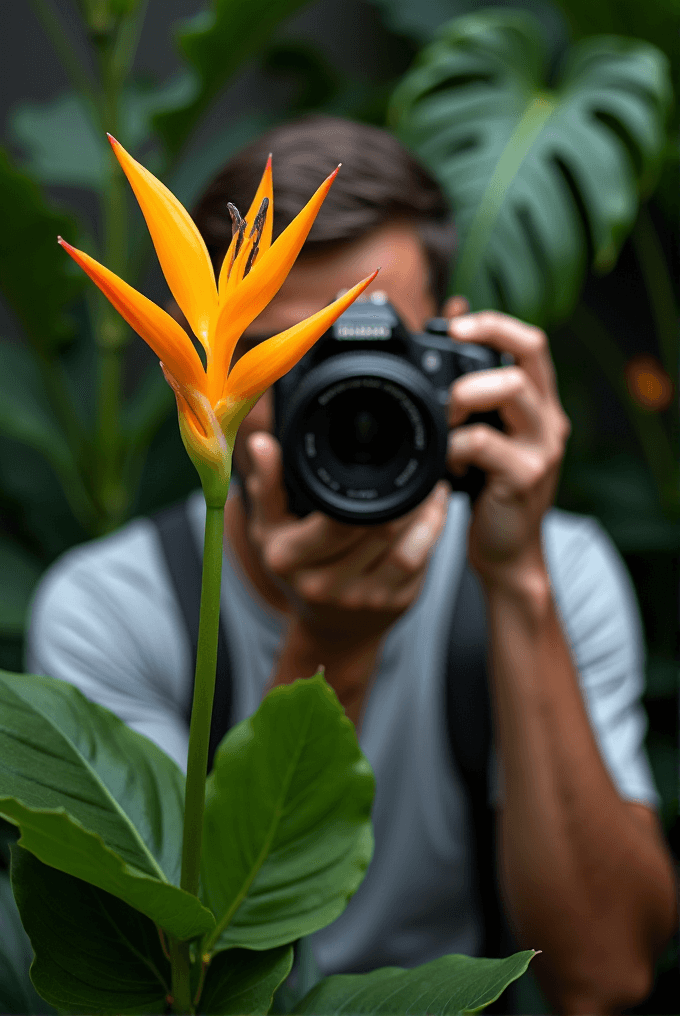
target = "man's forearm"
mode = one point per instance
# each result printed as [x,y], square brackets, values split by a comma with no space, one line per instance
[349,666]
[584,881]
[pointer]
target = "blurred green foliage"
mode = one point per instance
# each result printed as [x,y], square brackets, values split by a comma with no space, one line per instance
[550,124]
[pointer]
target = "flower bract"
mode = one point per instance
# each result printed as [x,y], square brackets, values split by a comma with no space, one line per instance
[212,400]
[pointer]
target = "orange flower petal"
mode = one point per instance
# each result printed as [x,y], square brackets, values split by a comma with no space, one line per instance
[169,341]
[180,247]
[264,190]
[261,284]
[266,363]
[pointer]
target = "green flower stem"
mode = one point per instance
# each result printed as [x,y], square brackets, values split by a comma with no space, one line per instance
[112,333]
[199,739]
[180,959]
[204,689]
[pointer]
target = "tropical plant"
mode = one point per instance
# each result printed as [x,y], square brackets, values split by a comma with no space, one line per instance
[534,167]
[277,839]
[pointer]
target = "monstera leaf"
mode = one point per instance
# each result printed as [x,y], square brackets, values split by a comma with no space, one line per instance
[537,172]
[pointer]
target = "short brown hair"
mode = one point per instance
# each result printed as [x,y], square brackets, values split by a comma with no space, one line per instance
[380,182]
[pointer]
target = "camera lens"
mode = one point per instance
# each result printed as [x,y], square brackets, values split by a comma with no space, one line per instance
[363,437]
[366,428]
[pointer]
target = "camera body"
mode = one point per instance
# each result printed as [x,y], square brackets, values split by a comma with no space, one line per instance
[362,417]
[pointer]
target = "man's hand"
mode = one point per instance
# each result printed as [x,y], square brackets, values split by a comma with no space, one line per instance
[522,465]
[342,581]
[346,585]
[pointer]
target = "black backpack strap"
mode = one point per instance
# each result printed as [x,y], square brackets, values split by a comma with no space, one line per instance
[470,733]
[185,568]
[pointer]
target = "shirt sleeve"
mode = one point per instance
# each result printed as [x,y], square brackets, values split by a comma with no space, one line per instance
[599,613]
[105,619]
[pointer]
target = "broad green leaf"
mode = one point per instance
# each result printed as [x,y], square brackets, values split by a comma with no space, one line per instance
[64,146]
[519,156]
[61,144]
[37,281]
[444,987]
[421,21]
[656,21]
[25,414]
[287,835]
[19,573]
[95,799]
[243,981]
[17,994]
[93,953]
[216,43]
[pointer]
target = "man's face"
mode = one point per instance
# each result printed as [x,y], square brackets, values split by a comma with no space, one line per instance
[314,282]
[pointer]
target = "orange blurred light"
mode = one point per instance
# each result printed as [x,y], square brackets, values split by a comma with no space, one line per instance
[648,383]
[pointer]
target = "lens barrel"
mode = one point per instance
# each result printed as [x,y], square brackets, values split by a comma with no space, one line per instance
[364,437]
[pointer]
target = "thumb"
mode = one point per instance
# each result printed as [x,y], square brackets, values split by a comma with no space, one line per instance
[455,306]
[265,483]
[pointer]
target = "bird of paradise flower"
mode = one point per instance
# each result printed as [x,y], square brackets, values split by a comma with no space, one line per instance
[213,400]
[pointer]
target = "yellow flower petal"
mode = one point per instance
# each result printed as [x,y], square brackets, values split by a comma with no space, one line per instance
[169,341]
[260,286]
[180,247]
[266,363]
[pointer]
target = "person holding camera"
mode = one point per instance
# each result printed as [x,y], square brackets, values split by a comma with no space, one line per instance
[400,589]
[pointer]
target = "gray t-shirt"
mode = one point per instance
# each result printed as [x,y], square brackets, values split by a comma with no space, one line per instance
[105,618]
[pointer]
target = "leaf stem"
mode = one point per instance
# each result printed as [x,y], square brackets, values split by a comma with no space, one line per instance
[81,78]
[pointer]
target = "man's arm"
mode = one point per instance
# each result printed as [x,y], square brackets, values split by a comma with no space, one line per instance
[343,586]
[586,875]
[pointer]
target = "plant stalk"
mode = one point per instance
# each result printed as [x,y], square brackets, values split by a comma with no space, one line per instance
[204,690]
[78,72]
[199,739]
[112,334]
[180,959]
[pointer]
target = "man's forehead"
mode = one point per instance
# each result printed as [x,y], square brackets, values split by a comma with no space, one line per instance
[314,281]
[284,313]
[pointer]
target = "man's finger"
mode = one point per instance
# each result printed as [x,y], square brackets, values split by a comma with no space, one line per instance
[527,344]
[265,483]
[510,390]
[511,465]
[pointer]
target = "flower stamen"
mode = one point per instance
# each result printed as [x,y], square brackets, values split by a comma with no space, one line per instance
[256,235]
[238,229]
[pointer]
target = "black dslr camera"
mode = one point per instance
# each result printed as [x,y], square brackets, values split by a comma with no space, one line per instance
[362,419]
